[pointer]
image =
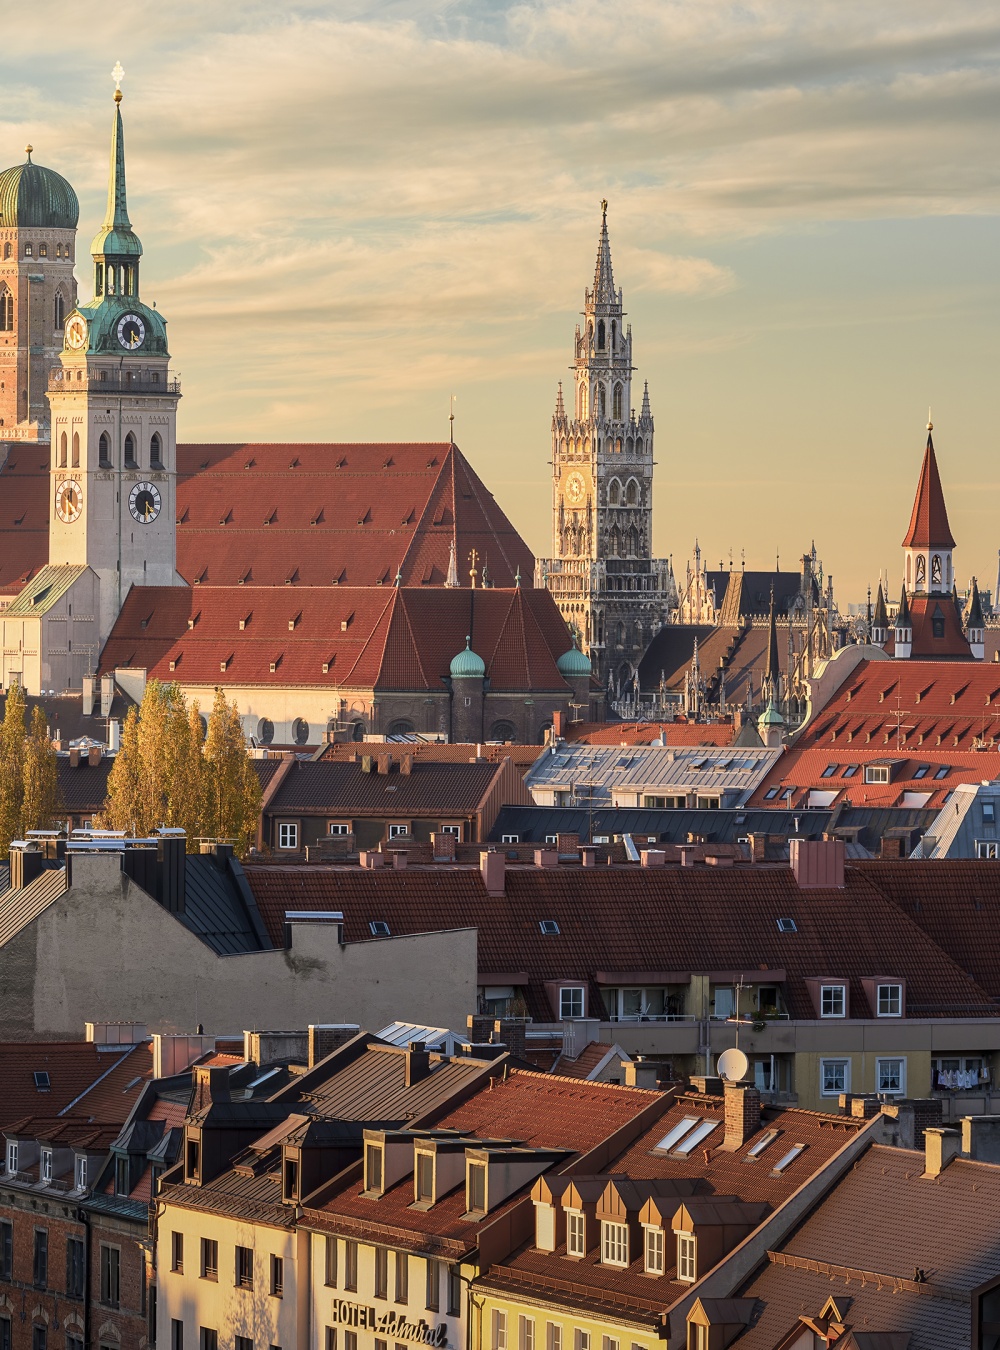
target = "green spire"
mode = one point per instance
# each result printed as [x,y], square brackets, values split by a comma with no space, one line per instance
[116,238]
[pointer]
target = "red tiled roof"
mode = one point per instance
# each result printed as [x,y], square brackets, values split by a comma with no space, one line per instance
[24,515]
[929,526]
[803,771]
[72,1067]
[391,638]
[586,1062]
[634,919]
[645,733]
[429,788]
[115,1095]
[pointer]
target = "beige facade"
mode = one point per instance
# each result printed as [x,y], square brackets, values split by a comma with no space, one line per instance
[51,632]
[106,950]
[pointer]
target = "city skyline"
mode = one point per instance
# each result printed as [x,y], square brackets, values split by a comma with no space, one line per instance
[801,215]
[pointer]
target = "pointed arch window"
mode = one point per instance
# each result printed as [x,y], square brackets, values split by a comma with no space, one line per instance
[43,250]
[110,279]
[104,452]
[614,542]
[130,459]
[600,335]
[937,571]
[59,311]
[584,400]
[614,493]
[76,449]
[155,451]
[63,449]
[632,493]
[6,309]
[921,569]
[99,279]
[602,401]
[617,403]
[614,335]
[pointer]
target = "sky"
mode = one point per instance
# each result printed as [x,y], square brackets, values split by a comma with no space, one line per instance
[352,211]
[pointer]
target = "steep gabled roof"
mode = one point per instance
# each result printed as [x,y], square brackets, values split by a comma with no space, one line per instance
[929,526]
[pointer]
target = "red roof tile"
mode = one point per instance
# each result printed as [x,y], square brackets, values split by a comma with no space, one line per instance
[645,733]
[805,772]
[73,1067]
[929,526]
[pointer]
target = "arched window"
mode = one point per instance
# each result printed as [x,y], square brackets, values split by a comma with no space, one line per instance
[614,335]
[503,731]
[614,542]
[617,405]
[600,335]
[76,449]
[300,731]
[583,402]
[29,251]
[937,572]
[104,452]
[921,569]
[265,731]
[614,493]
[6,249]
[937,622]
[400,728]
[130,459]
[632,493]
[602,404]
[43,250]
[624,673]
[155,451]
[6,310]
[62,451]
[111,281]
[99,279]
[357,731]
[59,314]
[632,543]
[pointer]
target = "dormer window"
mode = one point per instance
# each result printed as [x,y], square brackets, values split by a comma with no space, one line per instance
[80,1173]
[890,1000]
[373,1168]
[476,1188]
[614,1243]
[576,1233]
[192,1160]
[46,1165]
[121,1176]
[290,1180]
[11,1156]
[545,1228]
[687,1257]
[832,1000]
[423,1178]
[653,1250]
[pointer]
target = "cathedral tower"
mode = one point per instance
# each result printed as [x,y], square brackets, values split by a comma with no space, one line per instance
[113,414]
[610,589]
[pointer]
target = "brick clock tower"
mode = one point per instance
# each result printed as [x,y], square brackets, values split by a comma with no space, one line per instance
[113,417]
[602,574]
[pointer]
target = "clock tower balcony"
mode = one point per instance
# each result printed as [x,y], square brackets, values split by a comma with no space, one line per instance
[65,380]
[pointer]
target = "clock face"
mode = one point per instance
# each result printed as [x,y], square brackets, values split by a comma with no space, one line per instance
[576,488]
[76,332]
[69,501]
[144,502]
[131,332]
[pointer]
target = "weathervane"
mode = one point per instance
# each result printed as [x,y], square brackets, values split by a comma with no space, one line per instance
[451,419]
[473,558]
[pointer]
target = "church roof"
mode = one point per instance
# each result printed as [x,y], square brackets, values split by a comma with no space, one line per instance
[604,278]
[33,197]
[974,618]
[50,585]
[400,638]
[116,237]
[929,526]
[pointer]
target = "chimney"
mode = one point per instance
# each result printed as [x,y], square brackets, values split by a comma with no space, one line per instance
[558,724]
[480,1028]
[385,763]
[687,852]
[172,872]
[406,764]
[399,858]
[891,846]
[742,1114]
[443,846]
[323,1040]
[817,863]
[588,855]
[981,1138]
[107,694]
[758,846]
[74,757]
[94,756]
[367,763]
[546,857]
[493,866]
[25,865]
[510,1032]
[656,857]
[567,845]
[371,859]
[212,1082]
[940,1146]
[89,695]
[639,1073]
[418,1063]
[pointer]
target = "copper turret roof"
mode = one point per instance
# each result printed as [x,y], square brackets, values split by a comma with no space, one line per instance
[929,526]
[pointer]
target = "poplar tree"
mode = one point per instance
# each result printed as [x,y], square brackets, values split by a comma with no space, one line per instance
[186,769]
[125,807]
[41,779]
[11,768]
[231,788]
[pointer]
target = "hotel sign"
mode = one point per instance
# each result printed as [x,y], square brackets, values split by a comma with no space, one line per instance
[388,1324]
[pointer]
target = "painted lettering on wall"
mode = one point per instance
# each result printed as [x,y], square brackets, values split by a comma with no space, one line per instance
[388,1324]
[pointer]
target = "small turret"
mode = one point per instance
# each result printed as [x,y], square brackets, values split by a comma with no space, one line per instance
[904,629]
[771,726]
[880,621]
[975,626]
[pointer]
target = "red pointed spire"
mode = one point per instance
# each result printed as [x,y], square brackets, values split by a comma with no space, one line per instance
[929,526]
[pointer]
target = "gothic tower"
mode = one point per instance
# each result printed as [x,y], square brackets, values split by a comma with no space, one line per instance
[113,414]
[610,589]
[38,218]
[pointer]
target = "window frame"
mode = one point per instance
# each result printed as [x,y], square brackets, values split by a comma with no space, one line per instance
[432,1284]
[653,1249]
[825,1091]
[499,1329]
[330,1262]
[288,830]
[402,1277]
[209,1259]
[881,1060]
[576,1233]
[380,1265]
[76,1268]
[614,1244]
[889,989]
[243,1275]
[525,1332]
[687,1258]
[111,1275]
[475,1168]
[177,1252]
[833,990]
[573,995]
[277,1272]
[40,1259]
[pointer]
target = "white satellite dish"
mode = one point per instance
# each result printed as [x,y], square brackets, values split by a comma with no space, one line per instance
[733,1065]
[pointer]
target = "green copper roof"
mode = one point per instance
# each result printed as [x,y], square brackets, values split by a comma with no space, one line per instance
[467,665]
[33,197]
[116,238]
[574,663]
[42,592]
[103,317]
[770,717]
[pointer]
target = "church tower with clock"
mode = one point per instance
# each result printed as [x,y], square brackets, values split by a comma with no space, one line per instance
[602,574]
[113,404]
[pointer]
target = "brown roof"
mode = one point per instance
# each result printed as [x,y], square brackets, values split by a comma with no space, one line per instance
[73,1068]
[929,526]
[808,770]
[429,789]
[586,1062]
[431,751]
[645,733]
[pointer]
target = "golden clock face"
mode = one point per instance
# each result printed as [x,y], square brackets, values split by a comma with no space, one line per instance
[576,489]
[69,501]
[76,332]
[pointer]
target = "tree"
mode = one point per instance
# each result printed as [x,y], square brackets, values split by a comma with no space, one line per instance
[230,787]
[11,768]
[41,780]
[126,805]
[186,769]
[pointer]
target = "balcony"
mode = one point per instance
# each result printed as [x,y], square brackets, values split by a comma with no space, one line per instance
[115,382]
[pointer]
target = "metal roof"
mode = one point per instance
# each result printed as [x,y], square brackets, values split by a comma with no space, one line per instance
[607,772]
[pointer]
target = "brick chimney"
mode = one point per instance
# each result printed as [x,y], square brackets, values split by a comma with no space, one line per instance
[510,1031]
[418,1063]
[546,857]
[981,1138]
[443,846]
[742,1114]
[493,866]
[211,1083]
[558,723]
[758,846]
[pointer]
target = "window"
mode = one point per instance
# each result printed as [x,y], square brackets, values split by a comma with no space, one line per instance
[72,1342]
[398,831]
[499,1329]
[922,771]
[381,1272]
[39,1338]
[40,1266]
[193,1159]
[525,1333]
[942,772]
[176,1334]
[11,1156]
[6,309]
[424,1175]
[350,1264]
[454,1291]
[697,1336]
[834,1077]
[890,1000]
[787,926]
[242,1343]
[209,1259]
[552,839]
[575,1233]
[244,1268]
[653,1244]
[614,1244]
[80,1173]
[549,927]
[288,834]
[476,1197]
[121,1176]
[46,1165]
[5,1334]
[829,771]
[402,1277]
[110,1275]
[74,1267]
[177,1252]
[379,928]
[104,452]
[986,848]
[6,1250]
[208,1338]
[432,1300]
[752,1154]
[771,793]
[787,1160]
[130,459]
[455,830]
[890,1076]
[989,813]
[570,1002]
[553,1336]
[687,1264]
[581,1341]
[510,839]
[155,451]
[850,771]
[832,1000]
[610,1343]
[277,1276]
[373,1167]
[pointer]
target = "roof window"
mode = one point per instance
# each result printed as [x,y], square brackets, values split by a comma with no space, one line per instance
[379,928]
[942,772]
[42,1081]
[787,1160]
[922,771]
[850,771]
[829,771]
[700,1132]
[754,1153]
[787,926]
[770,794]
[549,927]
[677,1133]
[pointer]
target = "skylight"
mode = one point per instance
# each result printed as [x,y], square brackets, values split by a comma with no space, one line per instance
[378,928]
[922,771]
[787,926]
[850,771]
[829,771]
[549,927]
[42,1081]
[754,1153]
[787,1160]
[678,1132]
[692,1141]
[942,772]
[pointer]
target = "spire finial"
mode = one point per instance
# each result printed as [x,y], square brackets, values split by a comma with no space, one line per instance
[517,578]
[604,206]
[27,150]
[930,423]
[451,419]
[118,74]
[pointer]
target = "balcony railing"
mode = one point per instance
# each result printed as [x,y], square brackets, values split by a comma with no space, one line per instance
[129,382]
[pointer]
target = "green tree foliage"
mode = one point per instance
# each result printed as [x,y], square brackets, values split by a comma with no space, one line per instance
[29,784]
[230,787]
[41,779]
[126,806]
[11,768]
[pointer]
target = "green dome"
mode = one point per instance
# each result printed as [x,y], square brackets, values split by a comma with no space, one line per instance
[770,717]
[37,198]
[467,665]
[573,663]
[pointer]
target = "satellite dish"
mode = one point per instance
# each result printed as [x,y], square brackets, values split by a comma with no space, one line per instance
[733,1065]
